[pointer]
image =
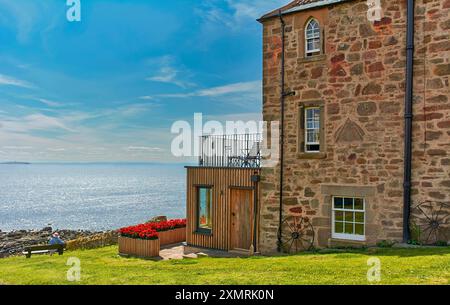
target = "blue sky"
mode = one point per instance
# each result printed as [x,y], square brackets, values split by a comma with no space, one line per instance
[108,88]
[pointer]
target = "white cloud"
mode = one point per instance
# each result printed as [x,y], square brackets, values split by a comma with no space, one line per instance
[18,147]
[168,74]
[49,103]
[232,88]
[253,9]
[33,122]
[118,113]
[142,149]
[236,88]
[11,81]
[146,97]
[239,13]
[132,110]
[28,18]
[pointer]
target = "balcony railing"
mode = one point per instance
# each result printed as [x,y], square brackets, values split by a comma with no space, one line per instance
[237,150]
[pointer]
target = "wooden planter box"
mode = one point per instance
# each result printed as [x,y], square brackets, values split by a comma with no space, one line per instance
[138,247]
[172,236]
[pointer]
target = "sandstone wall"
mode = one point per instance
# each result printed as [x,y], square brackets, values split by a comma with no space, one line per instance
[431,128]
[360,81]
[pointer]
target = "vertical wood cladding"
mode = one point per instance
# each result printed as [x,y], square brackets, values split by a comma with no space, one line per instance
[222,181]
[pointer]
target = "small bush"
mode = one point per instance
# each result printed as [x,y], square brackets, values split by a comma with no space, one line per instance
[441,243]
[385,244]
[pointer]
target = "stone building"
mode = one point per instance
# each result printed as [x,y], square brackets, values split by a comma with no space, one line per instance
[344,127]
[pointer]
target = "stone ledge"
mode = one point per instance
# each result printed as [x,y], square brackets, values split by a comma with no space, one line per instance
[348,190]
[303,155]
[305,60]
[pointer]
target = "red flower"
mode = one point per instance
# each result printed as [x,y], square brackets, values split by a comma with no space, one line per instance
[150,230]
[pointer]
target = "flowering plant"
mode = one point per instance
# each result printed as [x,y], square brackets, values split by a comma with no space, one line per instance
[149,231]
[168,225]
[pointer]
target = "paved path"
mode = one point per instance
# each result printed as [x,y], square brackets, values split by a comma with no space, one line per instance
[172,252]
[176,251]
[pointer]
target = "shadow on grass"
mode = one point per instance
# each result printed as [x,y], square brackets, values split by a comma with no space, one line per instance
[399,252]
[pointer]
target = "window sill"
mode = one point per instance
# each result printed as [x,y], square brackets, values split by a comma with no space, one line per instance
[349,238]
[339,242]
[312,59]
[203,232]
[305,155]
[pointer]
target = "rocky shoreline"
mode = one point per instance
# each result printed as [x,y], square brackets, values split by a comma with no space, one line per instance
[13,242]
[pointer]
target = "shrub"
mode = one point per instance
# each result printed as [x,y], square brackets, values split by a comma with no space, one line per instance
[385,244]
[416,234]
[441,243]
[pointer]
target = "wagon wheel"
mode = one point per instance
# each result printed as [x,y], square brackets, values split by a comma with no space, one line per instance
[297,234]
[432,221]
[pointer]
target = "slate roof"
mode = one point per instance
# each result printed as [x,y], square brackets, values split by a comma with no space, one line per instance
[298,5]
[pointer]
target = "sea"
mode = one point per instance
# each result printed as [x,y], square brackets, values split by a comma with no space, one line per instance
[94,196]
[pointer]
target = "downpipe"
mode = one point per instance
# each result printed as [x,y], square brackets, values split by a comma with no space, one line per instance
[408,121]
[282,98]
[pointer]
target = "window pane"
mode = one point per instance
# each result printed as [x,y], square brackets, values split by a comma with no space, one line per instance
[316,44]
[204,208]
[349,216]
[359,217]
[351,219]
[339,227]
[359,204]
[312,34]
[348,228]
[313,148]
[359,229]
[312,136]
[312,127]
[338,203]
[348,203]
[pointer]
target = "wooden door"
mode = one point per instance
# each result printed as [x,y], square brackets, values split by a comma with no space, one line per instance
[241,219]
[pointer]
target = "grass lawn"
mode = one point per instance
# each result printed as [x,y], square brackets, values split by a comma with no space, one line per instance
[104,266]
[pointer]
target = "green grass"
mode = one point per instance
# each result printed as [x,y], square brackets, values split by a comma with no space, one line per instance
[104,266]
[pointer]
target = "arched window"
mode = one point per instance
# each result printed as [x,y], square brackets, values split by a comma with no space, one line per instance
[312,38]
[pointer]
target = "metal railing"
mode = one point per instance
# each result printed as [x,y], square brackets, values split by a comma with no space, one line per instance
[237,150]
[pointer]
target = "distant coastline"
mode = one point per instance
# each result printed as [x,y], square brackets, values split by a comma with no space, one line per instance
[15,163]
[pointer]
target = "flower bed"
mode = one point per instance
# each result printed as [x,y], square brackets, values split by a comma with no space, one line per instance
[144,240]
[139,247]
[171,231]
[173,236]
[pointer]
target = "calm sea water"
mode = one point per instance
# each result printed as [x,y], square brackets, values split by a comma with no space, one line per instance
[88,196]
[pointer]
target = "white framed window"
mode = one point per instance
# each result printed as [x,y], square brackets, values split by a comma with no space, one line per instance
[312,129]
[349,218]
[312,38]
